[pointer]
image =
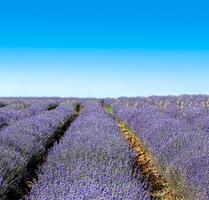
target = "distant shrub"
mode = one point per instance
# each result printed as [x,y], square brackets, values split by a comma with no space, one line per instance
[108,108]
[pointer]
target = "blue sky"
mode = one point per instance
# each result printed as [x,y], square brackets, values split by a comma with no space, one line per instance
[104,48]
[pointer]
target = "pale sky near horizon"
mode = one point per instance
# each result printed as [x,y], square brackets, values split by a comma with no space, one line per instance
[104,49]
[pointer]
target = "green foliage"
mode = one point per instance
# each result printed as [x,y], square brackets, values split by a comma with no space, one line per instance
[108,108]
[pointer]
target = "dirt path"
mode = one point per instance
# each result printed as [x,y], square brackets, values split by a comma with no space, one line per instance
[144,165]
[157,185]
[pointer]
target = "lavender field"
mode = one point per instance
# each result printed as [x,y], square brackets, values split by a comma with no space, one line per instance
[128,148]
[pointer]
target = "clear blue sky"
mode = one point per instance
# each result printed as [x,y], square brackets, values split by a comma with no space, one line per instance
[104,48]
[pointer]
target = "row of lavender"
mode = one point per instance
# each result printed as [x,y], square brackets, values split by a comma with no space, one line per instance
[24,141]
[186,107]
[92,161]
[163,101]
[13,112]
[26,101]
[177,137]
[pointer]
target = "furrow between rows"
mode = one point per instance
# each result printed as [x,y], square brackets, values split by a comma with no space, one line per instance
[37,161]
[144,164]
[158,186]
